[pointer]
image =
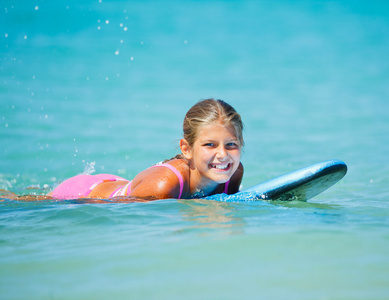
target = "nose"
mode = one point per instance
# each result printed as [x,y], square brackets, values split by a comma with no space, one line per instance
[221,152]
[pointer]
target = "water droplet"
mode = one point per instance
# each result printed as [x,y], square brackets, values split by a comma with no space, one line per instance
[25,37]
[36,7]
[122,171]
[125,28]
[117,52]
[106,21]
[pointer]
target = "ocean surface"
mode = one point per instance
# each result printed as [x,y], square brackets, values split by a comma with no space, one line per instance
[103,86]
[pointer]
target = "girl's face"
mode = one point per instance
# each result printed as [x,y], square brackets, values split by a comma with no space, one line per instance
[215,155]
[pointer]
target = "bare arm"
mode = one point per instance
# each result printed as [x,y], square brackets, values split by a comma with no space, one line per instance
[157,183]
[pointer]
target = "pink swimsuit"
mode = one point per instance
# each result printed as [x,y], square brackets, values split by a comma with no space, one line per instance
[81,185]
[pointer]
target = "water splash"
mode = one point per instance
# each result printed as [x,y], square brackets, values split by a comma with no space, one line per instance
[90,168]
[243,196]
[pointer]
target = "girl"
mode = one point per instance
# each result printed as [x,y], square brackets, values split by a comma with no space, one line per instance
[209,163]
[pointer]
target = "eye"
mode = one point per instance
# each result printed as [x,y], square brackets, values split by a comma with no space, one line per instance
[209,144]
[232,145]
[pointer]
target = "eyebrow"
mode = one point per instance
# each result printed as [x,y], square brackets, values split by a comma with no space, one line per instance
[214,140]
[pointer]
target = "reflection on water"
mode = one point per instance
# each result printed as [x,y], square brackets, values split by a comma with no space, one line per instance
[206,214]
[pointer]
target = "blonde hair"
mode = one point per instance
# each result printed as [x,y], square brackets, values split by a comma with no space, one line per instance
[205,113]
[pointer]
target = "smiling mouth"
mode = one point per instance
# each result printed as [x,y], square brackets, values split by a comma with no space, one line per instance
[221,167]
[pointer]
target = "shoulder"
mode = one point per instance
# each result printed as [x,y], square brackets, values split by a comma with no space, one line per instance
[161,181]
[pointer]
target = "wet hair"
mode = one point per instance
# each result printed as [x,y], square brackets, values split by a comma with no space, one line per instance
[207,112]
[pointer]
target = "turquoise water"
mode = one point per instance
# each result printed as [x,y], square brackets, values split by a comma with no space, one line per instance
[102,86]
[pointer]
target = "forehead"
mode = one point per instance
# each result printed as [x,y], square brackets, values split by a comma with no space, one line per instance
[216,130]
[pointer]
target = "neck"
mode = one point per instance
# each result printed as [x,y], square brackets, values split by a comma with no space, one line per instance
[197,185]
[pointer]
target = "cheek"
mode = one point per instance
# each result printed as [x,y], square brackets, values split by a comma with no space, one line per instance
[202,155]
[236,154]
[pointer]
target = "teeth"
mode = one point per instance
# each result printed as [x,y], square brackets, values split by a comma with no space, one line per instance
[220,167]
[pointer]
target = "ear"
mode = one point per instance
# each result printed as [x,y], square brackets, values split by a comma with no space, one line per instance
[186,149]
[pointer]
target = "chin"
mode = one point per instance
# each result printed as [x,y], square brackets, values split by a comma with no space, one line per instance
[220,179]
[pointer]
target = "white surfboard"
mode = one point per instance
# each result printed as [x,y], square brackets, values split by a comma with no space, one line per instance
[301,185]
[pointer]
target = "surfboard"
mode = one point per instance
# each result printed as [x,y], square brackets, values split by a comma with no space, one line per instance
[301,185]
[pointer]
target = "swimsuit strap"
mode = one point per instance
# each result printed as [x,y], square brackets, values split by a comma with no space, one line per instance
[122,191]
[226,187]
[178,174]
[115,192]
[127,189]
[98,182]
